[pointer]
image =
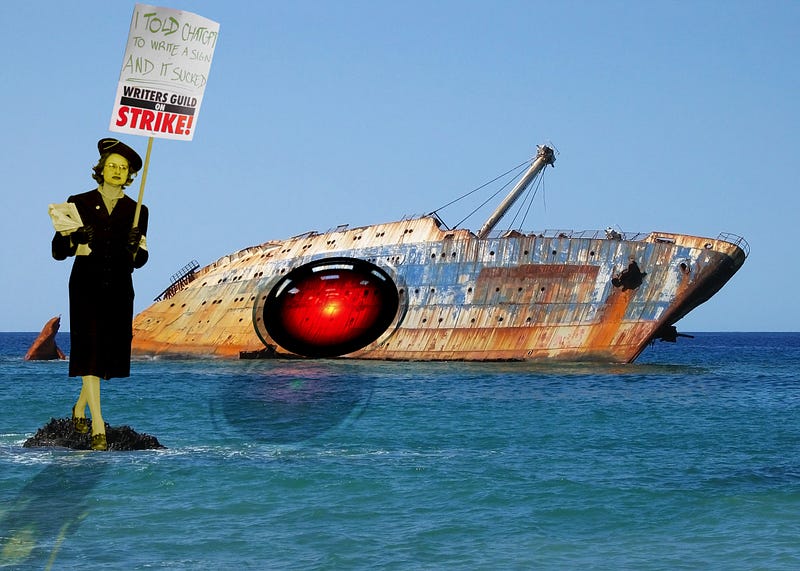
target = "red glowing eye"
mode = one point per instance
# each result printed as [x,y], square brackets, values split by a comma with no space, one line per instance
[330,307]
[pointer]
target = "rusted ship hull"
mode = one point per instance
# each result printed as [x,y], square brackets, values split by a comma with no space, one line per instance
[415,290]
[412,290]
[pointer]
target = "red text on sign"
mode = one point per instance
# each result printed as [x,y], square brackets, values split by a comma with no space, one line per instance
[154,121]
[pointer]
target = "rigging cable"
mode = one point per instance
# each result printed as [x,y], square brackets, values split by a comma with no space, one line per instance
[462,197]
[530,196]
[482,204]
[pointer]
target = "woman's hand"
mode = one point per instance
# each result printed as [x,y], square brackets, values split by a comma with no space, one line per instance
[83,235]
[134,239]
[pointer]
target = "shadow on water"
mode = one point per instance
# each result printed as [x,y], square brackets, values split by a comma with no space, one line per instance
[293,401]
[35,524]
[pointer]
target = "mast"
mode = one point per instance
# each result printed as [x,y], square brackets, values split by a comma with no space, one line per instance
[544,157]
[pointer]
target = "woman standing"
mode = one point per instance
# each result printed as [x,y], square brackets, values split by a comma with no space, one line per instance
[107,249]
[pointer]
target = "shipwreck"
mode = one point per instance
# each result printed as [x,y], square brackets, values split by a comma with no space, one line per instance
[415,289]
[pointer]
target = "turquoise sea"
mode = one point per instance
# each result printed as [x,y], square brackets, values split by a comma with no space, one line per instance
[687,459]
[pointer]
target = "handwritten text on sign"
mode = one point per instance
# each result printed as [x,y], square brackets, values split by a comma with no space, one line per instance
[164,73]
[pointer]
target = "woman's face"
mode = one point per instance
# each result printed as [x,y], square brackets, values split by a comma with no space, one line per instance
[115,171]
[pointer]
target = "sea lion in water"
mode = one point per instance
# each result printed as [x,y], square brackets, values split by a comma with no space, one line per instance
[45,348]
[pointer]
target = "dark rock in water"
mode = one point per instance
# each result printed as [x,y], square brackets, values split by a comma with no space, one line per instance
[45,348]
[60,432]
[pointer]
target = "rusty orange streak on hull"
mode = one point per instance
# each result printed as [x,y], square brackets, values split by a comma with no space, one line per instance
[606,330]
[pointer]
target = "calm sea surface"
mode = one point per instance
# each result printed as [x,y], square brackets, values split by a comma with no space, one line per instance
[688,459]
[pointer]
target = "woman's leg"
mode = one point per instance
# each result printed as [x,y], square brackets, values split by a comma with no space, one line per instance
[91,386]
[79,419]
[79,411]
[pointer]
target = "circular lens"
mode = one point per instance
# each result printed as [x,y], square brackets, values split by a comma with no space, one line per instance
[330,307]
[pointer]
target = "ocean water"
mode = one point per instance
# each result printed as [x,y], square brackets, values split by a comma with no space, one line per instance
[687,459]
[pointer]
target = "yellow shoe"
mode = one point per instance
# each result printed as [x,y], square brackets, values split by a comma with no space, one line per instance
[99,442]
[81,424]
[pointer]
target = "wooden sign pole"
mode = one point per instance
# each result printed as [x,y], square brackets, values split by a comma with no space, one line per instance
[141,185]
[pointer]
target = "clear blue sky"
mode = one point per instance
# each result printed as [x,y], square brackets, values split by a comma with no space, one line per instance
[672,116]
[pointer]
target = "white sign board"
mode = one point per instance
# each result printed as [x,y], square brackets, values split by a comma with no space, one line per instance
[164,73]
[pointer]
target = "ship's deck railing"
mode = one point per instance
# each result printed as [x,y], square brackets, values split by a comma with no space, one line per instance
[588,234]
[179,280]
[611,234]
[736,241]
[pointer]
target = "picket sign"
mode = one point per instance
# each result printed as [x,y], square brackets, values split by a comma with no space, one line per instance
[163,77]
